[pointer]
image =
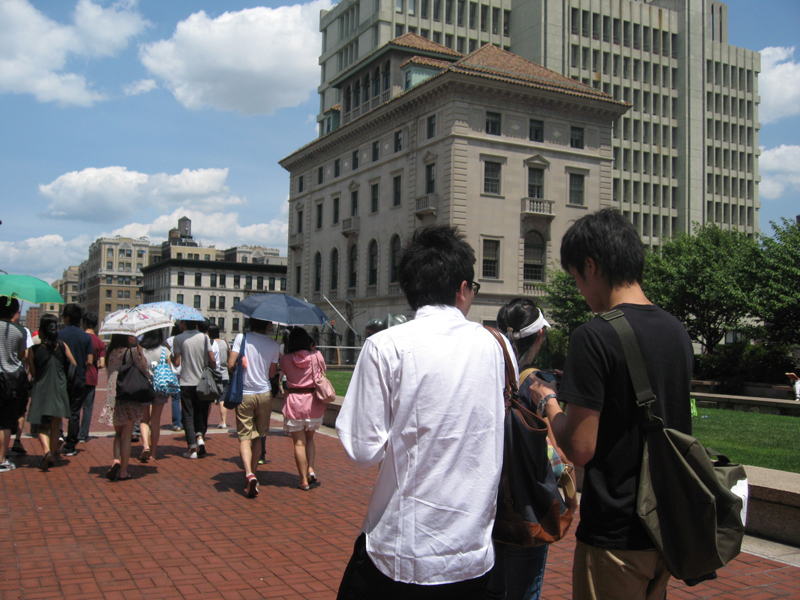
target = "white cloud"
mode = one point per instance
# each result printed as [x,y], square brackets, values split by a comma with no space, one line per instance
[140,87]
[780,171]
[45,257]
[113,194]
[778,84]
[35,49]
[254,61]
[220,229]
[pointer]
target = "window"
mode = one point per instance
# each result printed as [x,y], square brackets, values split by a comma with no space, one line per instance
[491,259]
[237,281]
[108,308]
[473,8]
[110,252]
[319,176]
[317,272]
[398,141]
[212,302]
[248,282]
[533,257]
[437,10]
[394,260]
[491,177]
[260,282]
[197,301]
[354,203]
[431,126]
[222,279]
[110,264]
[576,137]
[376,150]
[374,191]
[334,269]
[213,280]
[536,130]
[576,189]
[535,182]
[108,293]
[495,21]
[335,210]
[299,221]
[198,280]
[484,17]
[493,123]
[397,190]
[180,279]
[337,167]
[448,11]
[506,23]
[319,215]
[430,178]
[298,272]
[119,293]
[353,267]
[355,159]
[300,184]
[373,263]
[221,323]
[460,13]
[235,325]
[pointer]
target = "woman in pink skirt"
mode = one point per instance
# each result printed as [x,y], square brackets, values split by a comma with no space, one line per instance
[302,413]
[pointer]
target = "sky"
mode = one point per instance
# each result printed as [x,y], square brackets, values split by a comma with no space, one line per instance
[118,117]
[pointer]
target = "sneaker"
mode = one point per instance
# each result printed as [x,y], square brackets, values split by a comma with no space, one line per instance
[201,448]
[7,465]
[262,461]
[252,486]
[177,428]
[71,452]
[190,454]
[18,448]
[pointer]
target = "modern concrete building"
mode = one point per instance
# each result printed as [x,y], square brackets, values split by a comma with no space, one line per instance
[688,150]
[501,147]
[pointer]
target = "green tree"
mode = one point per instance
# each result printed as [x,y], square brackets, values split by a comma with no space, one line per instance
[707,280]
[566,307]
[779,283]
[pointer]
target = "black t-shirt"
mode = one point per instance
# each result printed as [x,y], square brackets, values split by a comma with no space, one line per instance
[596,377]
[80,344]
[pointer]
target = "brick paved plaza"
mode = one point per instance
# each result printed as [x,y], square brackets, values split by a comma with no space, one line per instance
[183,529]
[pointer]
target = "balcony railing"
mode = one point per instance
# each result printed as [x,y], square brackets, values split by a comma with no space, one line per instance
[536,207]
[350,226]
[532,289]
[295,243]
[426,205]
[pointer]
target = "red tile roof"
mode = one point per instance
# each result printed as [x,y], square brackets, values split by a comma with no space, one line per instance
[417,42]
[427,62]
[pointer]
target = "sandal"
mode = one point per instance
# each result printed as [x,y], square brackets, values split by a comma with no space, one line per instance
[113,472]
[47,460]
[124,478]
[145,455]
[305,488]
[312,478]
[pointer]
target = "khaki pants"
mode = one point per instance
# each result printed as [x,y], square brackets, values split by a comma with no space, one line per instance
[599,574]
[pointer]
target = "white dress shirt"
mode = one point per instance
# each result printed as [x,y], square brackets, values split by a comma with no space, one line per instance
[426,400]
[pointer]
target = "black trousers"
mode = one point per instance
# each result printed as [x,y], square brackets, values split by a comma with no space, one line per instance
[363,581]
[194,414]
[76,397]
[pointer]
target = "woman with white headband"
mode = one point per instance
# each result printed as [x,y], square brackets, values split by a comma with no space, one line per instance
[518,572]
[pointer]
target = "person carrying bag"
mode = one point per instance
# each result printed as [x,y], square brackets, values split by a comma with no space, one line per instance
[209,388]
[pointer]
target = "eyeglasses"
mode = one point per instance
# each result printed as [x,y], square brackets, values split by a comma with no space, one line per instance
[476,287]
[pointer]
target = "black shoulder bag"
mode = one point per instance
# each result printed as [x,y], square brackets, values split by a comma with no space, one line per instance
[132,384]
[692,506]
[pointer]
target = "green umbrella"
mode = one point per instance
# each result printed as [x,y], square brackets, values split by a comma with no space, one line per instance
[30,289]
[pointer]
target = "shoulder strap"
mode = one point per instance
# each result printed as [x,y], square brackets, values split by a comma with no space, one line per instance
[633,357]
[511,389]
[524,375]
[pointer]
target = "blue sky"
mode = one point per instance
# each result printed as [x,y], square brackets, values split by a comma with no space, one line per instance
[119,117]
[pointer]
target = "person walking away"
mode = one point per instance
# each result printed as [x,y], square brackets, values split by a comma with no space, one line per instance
[190,353]
[176,399]
[426,404]
[23,395]
[48,364]
[89,324]
[153,347]
[80,344]
[119,413]
[302,413]
[13,348]
[253,415]
[221,351]
[600,429]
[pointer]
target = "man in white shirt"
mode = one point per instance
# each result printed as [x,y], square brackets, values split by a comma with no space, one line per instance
[426,404]
[261,354]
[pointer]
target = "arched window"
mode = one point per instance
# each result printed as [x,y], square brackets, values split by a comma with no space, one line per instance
[394,259]
[335,269]
[533,261]
[357,94]
[376,83]
[386,78]
[366,88]
[352,280]
[317,272]
[373,263]
[347,99]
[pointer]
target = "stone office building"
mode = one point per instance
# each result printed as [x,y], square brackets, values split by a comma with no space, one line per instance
[501,147]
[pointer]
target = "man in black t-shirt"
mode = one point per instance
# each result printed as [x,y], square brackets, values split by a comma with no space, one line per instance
[80,344]
[600,427]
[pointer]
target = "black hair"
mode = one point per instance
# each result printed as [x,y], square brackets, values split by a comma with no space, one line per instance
[298,340]
[176,330]
[90,320]
[152,339]
[213,331]
[8,307]
[516,315]
[259,325]
[48,330]
[191,325]
[434,264]
[118,340]
[202,326]
[611,241]
[73,313]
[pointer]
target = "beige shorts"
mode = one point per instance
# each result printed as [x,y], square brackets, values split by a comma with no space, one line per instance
[599,574]
[253,416]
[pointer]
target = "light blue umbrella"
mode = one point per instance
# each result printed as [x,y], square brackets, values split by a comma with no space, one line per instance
[179,312]
[281,308]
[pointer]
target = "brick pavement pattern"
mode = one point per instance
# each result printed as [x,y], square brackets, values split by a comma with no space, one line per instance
[183,529]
